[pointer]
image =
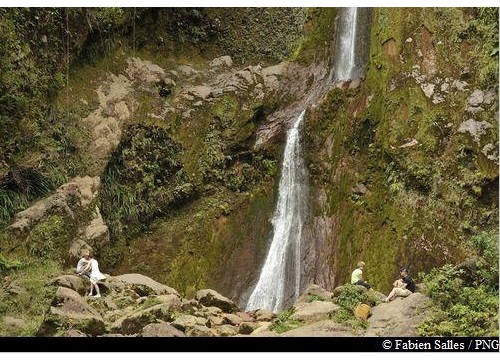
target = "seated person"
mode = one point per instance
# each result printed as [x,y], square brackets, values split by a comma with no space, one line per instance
[402,287]
[357,276]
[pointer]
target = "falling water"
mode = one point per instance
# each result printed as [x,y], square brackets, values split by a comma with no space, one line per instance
[352,44]
[346,47]
[280,276]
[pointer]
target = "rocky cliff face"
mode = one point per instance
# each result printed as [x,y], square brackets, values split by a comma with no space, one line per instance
[404,166]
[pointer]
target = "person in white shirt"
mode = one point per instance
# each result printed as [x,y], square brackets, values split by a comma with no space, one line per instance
[92,268]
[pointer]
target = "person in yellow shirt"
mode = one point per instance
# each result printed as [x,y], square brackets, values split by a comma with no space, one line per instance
[357,276]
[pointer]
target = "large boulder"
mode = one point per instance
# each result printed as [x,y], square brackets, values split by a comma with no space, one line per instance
[399,317]
[79,192]
[183,322]
[160,330]
[313,311]
[209,297]
[134,322]
[70,311]
[145,286]
[315,292]
[73,282]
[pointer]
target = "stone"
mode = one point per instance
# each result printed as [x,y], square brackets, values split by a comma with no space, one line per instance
[314,311]
[476,98]
[144,285]
[160,330]
[246,327]
[133,322]
[475,128]
[209,297]
[232,319]
[227,330]
[70,311]
[316,291]
[201,91]
[183,322]
[220,62]
[428,89]
[399,317]
[264,315]
[73,282]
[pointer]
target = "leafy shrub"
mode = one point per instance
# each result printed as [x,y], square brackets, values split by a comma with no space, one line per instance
[283,322]
[465,308]
[349,298]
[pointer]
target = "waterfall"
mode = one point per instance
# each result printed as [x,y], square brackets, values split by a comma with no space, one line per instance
[279,279]
[279,283]
[347,44]
[352,44]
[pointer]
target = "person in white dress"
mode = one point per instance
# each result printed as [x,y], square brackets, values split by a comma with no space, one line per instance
[95,276]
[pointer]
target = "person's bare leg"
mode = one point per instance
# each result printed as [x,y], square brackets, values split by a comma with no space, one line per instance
[391,295]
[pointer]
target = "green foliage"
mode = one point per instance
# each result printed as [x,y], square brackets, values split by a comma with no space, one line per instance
[33,299]
[348,299]
[313,297]
[318,29]
[463,308]
[283,322]
[48,238]
[486,245]
[144,179]
[149,302]
[9,264]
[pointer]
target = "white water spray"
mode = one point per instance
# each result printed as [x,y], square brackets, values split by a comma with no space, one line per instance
[346,51]
[282,265]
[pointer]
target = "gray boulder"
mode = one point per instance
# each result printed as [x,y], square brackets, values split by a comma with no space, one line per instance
[160,330]
[70,311]
[209,297]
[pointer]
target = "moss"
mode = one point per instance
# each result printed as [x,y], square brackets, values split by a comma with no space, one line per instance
[317,33]
[417,196]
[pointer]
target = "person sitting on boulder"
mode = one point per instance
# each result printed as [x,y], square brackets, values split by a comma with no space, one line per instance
[402,287]
[357,276]
[92,267]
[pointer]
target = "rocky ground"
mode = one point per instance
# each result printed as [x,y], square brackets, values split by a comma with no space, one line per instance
[135,305]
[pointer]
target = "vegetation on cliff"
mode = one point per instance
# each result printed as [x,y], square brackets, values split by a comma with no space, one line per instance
[403,165]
